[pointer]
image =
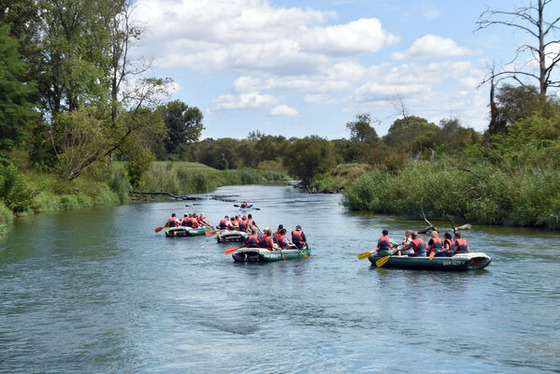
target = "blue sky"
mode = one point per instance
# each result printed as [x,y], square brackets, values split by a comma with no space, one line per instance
[299,68]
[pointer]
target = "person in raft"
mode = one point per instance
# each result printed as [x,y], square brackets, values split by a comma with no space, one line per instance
[280,238]
[202,220]
[253,240]
[448,245]
[436,245]
[267,241]
[225,224]
[298,238]
[172,222]
[461,245]
[185,220]
[384,244]
[417,245]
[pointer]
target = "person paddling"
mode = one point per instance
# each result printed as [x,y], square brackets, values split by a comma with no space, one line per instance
[298,238]
[461,245]
[172,222]
[417,245]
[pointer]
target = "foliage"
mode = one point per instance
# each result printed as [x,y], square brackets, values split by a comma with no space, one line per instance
[15,192]
[183,123]
[412,134]
[16,113]
[308,157]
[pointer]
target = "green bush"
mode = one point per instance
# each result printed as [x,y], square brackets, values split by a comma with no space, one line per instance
[15,192]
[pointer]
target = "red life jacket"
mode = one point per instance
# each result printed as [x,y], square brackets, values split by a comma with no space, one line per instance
[252,241]
[223,224]
[184,221]
[194,222]
[449,242]
[242,226]
[436,245]
[419,247]
[279,239]
[172,222]
[460,246]
[384,243]
[265,242]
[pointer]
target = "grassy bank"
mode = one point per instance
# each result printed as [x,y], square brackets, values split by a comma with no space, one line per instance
[192,177]
[29,192]
[483,194]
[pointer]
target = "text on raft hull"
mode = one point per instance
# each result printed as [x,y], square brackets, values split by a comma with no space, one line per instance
[264,255]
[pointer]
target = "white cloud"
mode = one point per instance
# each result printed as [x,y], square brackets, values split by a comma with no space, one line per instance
[284,110]
[244,101]
[361,36]
[251,35]
[432,46]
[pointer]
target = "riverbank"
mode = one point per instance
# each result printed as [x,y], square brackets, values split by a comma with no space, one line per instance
[30,192]
[479,194]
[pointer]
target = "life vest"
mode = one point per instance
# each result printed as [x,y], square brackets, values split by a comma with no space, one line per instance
[234,223]
[265,242]
[436,245]
[252,241]
[172,222]
[184,221]
[384,243]
[242,226]
[460,246]
[451,250]
[244,205]
[193,222]
[419,247]
[298,238]
[224,224]
[279,239]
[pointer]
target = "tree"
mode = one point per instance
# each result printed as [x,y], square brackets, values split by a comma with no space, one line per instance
[513,103]
[361,130]
[305,158]
[16,113]
[412,134]
[545,48]
[184,124]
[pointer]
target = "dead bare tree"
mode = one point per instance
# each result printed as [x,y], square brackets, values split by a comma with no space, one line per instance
[531,20]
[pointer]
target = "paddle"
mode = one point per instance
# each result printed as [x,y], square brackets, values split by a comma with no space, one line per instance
[158,229]
[432,255]
[382,261]
[364,255]
[211,232]
[229,251]
[302,253]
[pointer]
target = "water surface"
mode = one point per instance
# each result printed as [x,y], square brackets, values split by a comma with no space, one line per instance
[99,291]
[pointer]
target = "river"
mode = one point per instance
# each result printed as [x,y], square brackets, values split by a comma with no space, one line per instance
[98,291]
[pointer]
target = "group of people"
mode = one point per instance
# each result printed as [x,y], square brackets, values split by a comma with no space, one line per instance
[413,245]
[193,220]
[238,223]
[278,240]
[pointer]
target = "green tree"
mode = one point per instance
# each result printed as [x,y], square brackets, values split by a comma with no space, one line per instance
[16,113]
[305,158]
[412,134]
[184,124]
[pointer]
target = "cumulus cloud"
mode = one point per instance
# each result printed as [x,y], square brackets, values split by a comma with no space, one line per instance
[284,110]
[432,46]
[249,35]
[244,101]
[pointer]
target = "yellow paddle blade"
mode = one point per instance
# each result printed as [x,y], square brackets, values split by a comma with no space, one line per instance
[364,255]
[382,261]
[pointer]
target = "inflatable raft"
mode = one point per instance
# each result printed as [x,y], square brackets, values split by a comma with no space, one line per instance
[226,236]
[264,255]
[174,232]
[458,262]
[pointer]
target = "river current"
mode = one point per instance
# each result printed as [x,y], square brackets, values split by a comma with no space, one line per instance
[98,291]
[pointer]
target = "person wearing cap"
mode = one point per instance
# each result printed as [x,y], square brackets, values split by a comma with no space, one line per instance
[298,238]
